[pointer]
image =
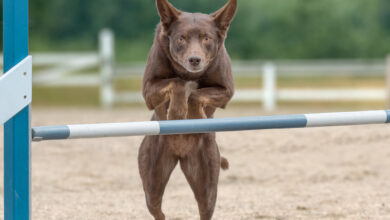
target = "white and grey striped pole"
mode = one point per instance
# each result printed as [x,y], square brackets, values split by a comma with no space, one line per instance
[209,125]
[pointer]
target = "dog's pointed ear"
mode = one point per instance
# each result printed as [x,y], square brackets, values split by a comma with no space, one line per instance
[224,16]
[167,12]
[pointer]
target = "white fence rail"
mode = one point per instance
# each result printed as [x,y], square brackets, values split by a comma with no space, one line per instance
[64,69]
[269,94]
[60,69]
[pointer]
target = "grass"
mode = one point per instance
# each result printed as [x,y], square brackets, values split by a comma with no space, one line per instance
[134,84]
[66,96]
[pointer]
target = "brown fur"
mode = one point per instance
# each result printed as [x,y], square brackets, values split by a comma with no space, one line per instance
[188,75]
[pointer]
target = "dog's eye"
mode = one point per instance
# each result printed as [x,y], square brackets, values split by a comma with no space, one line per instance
[181,39]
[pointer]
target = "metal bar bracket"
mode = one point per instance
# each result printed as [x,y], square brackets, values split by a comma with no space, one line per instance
[15,89]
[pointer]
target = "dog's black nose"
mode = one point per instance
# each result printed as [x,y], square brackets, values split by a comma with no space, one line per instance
[195,60]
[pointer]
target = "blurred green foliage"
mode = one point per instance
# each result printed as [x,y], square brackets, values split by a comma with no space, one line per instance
[264,29]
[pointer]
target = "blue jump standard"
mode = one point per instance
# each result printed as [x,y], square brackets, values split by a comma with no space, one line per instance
[209,125]
[17,129]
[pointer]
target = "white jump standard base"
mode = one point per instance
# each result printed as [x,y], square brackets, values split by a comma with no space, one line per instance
[208,125]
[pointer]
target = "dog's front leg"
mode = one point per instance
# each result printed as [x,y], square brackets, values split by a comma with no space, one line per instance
[179,94]
[158,92]
[196,108]
[216,97]
[177,102]
[178,106]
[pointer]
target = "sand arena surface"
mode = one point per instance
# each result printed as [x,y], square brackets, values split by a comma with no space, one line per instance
[320,173]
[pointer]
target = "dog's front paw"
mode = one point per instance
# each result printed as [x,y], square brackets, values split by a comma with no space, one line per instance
[195,107]
[190,87]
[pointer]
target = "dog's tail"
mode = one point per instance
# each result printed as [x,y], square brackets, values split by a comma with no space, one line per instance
[224,163]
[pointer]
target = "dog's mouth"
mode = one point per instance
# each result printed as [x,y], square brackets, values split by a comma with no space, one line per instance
[194,69]
[191,70]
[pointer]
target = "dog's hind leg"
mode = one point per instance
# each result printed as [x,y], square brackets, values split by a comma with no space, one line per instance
[155,166]
[201,169]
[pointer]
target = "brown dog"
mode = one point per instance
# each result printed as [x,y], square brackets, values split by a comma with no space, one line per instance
[188,75]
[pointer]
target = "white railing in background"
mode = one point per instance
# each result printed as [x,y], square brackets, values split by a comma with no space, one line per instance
[107,54]
[61,69]
[269,87]
[81,69]
[269,94]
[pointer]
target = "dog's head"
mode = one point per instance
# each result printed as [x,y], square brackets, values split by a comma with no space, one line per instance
[195,38]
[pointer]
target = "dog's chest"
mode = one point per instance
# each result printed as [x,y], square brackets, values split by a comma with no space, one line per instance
[182,145]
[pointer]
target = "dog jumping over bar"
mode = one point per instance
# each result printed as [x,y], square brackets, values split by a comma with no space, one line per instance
[188,75]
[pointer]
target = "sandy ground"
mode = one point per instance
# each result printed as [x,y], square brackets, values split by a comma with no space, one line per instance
[321,173]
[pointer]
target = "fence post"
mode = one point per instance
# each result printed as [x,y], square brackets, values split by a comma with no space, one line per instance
[269,87]
[388,81]
[17,130]
[106,52]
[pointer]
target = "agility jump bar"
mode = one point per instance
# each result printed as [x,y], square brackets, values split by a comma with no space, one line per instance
[208,125]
